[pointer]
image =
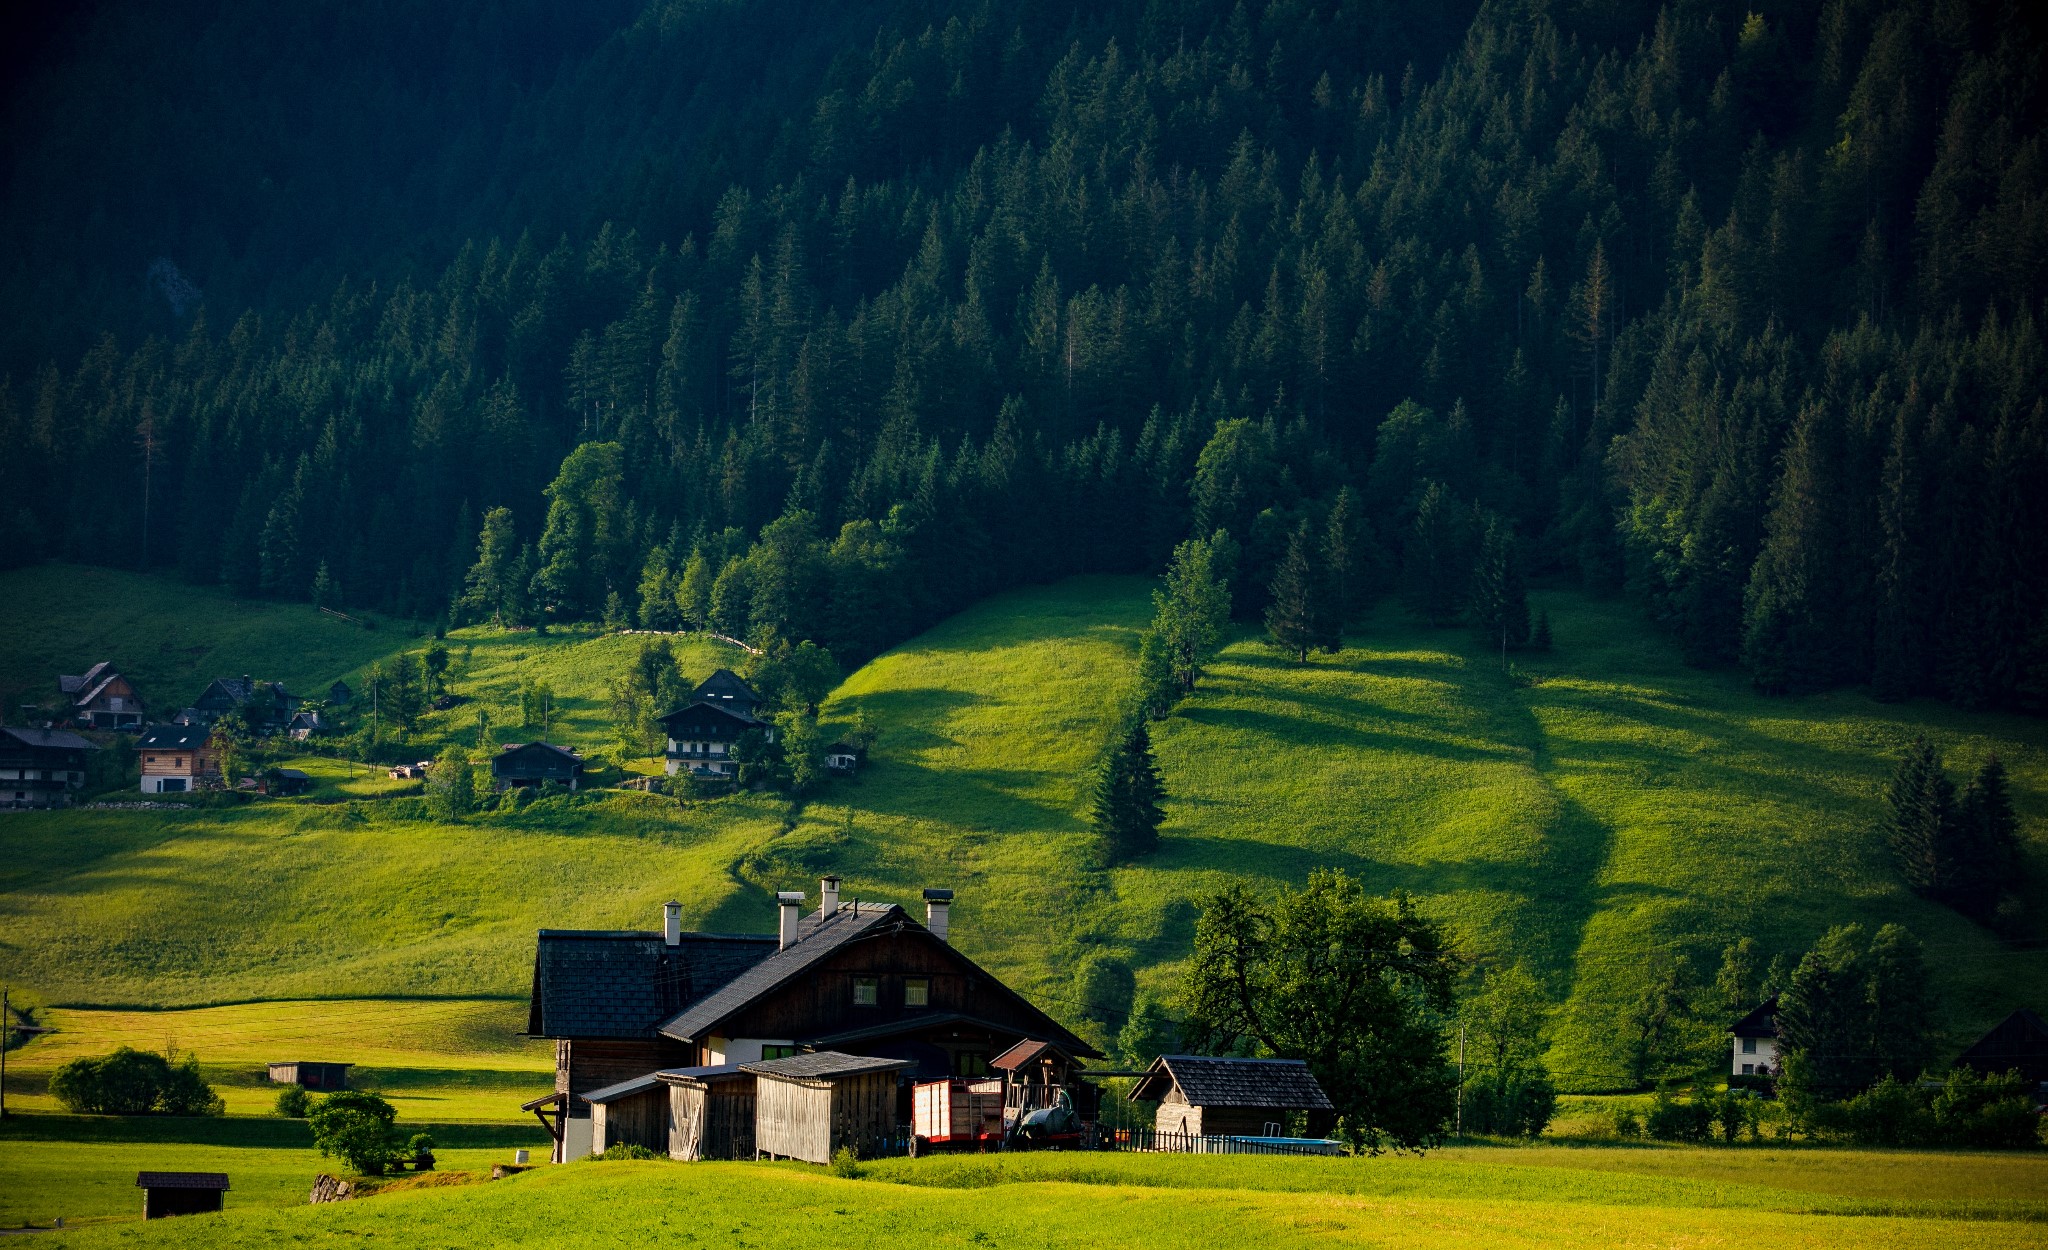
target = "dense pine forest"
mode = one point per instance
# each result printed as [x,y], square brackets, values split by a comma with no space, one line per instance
[820,321]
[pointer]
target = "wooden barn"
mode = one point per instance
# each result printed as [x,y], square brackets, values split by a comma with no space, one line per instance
[311,1075]
[1201,1095]
[101,698]
[710,1112]
[808,1106]
[521,764]
[630,1113]
[181,1193]
[2018,1043]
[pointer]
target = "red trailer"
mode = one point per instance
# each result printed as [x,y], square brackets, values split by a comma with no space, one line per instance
[957,1114]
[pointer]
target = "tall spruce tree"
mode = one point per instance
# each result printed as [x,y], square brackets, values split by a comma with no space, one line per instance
[1301,616]
[1127,795]
[1437,564]
[1499,602]
[1920,821]
[1988,838]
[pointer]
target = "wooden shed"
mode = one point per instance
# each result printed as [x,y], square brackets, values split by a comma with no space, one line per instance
[710,1112]
[630,1113]
[180,1193]
[311,1075]
[1204,1095]
[808,1106]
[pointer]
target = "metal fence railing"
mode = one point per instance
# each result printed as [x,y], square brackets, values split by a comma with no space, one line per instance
[1145,1140]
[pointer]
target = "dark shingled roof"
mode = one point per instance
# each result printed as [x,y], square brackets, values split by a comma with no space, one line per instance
[823,1066]
[817,936]
[725,686]
[1206,1081]
[624,1089]
[708,1072]
[61,739]
[1761,1022]
[2017,1043]
[172,738]
[623,984]
[181,1180]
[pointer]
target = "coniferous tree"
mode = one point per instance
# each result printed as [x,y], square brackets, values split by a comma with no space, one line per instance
[1299,616]
[1344,557]
[1126,812]
[1988,834]
[1158,691]
[492,587]
[1921,820]
[1437,565]
[1192,608]
[1499,603]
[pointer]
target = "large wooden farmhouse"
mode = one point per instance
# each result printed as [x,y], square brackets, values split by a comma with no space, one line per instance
[41,767]
[101,698]
[266,706]
[521,764]
[703,732]
[858,977]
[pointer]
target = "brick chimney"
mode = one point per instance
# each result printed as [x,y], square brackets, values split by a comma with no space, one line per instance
[672,923]
[828,895]
[788,901]
[937,903]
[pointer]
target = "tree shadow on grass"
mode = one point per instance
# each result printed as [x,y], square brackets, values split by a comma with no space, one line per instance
[1292,731]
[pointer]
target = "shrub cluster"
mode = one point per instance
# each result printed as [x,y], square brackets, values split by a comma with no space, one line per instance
[1980,1112]
[358,1127]
[134,1082]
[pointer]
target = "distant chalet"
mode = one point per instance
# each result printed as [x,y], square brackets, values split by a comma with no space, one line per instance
[523,764]
[176,759]
[41,767]
[266,706]
[101,698]
[702,733]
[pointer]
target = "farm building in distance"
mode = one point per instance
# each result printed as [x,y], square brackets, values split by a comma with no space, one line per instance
[310,1075]
[101,698]
[175,759]
[41,767]
[181,1193]
[702,733]
[521,764]
[1200,1095]
[855,977]
[2018,1043]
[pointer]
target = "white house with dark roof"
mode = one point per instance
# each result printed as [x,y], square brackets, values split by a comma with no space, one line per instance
[703,732]
[1755,1043]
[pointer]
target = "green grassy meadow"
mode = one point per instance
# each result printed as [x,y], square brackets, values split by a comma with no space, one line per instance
[1605,804]
[1453,1198]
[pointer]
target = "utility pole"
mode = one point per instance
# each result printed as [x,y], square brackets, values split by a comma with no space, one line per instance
[6,1036]
[1461,1080]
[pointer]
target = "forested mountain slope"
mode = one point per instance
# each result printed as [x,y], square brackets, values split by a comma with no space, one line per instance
[860,312]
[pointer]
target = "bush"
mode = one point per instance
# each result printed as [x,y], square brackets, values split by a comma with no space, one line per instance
[1520,1106]
[293,1102]
[627,1150]
[134,1082]
[421,1149]
[1671,1120]
[846,1163]
[356,1127]
[1627,1124]
[1987,1112]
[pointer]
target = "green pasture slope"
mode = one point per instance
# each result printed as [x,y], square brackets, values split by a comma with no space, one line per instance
[1611,804]
[1554,1198]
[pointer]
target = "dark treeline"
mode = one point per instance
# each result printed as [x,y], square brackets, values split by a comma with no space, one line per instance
[1736,310]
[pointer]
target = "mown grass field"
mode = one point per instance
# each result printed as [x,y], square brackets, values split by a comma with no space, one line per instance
[1608,805]
[1453,1198]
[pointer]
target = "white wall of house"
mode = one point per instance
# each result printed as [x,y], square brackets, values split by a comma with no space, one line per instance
[166,785]
[1754,1055]
[576,1138]
[742,1049]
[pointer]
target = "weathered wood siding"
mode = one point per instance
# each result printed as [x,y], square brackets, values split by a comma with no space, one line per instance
[582,1066]
[711,1120]
[641,1120]
[793,1119]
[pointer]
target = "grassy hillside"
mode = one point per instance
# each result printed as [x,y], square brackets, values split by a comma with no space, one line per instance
[1609,805]
[1450,1199]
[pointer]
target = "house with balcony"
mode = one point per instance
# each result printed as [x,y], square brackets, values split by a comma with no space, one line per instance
[703,732]
[41,767]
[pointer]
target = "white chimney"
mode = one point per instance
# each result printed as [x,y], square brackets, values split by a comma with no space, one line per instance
[936,904]
[672,923]
[789,901]
[828,895]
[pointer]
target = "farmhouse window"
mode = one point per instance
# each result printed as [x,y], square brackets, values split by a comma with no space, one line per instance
[917,992]
[1749,1069]
[771,1051]
[865,992]
[1748,1045]
[152,759]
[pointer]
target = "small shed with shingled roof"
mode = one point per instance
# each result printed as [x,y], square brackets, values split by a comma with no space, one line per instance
[1207,1095]
[808,1106]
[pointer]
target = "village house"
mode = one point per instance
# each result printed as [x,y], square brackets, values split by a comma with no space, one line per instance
[175,759]
[265,706]
[101,698]
[2018,1043]
[521,764]
[1202,1095]
[1756,1041]
[41,767]
[306,724]
[860,977]
[702,733]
